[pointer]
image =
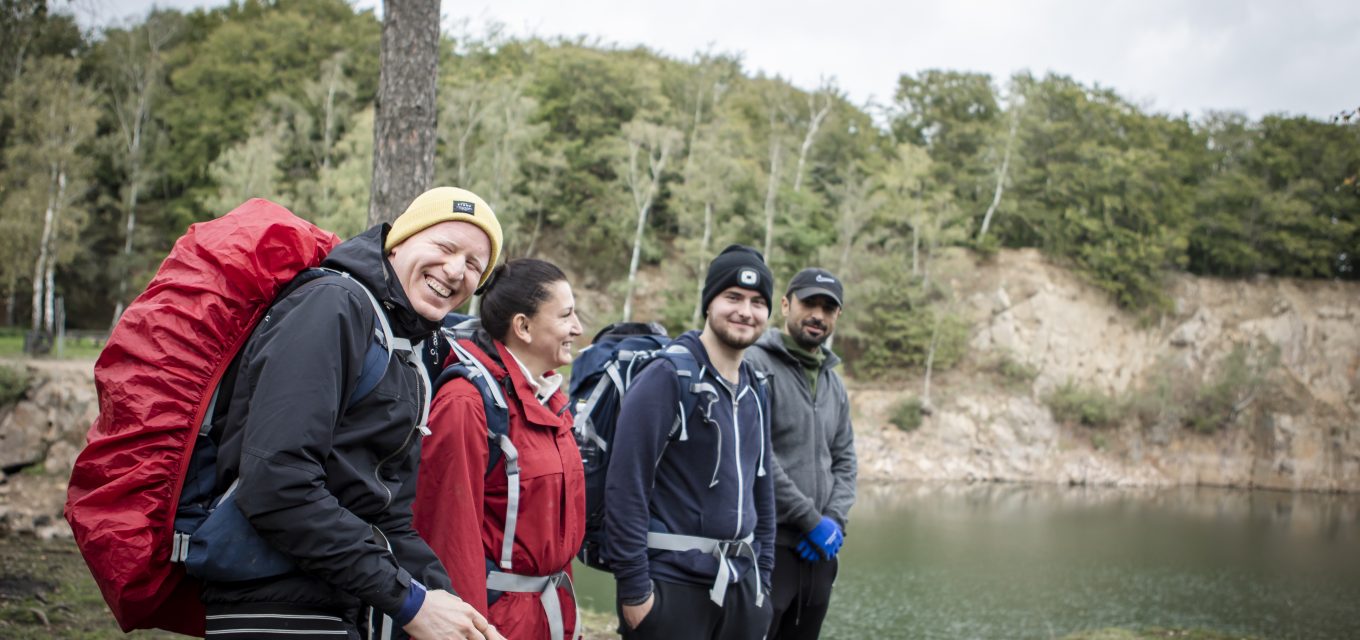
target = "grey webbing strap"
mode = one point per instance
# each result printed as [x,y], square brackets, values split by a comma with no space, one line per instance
[719,549]
[467,358]
[512,500]
[583,424]
[410,352]
[546,587]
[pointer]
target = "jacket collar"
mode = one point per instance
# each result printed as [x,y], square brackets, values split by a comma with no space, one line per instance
[363,258]
[530,408]
[773,342]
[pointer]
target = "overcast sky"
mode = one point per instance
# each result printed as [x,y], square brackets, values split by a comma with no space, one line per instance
[1256,56]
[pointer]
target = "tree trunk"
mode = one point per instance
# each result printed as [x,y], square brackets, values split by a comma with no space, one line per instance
[930,365]
[533,238]
[771,190]
[1001,174]
[816,116]
[637,255]
[404,125]
[699,266]
[45,247]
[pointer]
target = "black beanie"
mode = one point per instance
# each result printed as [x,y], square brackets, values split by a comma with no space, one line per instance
[737,266]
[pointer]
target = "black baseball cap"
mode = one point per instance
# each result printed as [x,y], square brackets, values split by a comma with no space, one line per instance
[815,281]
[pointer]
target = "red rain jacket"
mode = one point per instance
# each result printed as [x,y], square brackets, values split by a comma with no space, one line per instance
[453,483]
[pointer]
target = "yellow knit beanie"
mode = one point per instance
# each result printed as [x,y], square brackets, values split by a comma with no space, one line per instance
[444,204]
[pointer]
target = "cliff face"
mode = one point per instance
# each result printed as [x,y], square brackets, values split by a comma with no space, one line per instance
[1299,428]
[1294,427]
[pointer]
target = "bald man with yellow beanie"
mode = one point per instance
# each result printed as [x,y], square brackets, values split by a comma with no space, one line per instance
[322,434]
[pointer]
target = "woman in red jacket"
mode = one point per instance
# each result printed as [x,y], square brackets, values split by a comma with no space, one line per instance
[528,324]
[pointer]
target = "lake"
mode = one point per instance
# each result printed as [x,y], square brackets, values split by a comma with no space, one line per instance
[1040,561]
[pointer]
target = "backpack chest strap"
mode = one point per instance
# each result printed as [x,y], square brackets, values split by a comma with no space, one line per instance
[546,587]
[723,550]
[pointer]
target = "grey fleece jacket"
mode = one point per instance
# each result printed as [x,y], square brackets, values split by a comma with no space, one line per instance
[814,442]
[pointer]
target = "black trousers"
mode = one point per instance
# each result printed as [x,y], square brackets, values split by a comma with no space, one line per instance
[685,612]
[270,621]
[801,595]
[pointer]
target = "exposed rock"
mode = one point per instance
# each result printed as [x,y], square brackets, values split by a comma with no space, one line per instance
[1303,433]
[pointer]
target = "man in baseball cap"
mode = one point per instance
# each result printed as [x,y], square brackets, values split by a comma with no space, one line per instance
[815,446]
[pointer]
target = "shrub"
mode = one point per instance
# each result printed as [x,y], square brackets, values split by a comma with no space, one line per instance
[1073,404]
[13,385]
[906,414]
[1175,394]
[1014,373]
[1234,385]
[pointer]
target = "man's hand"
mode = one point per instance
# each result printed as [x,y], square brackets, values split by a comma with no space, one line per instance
[444,616]
[634,614]
[825,539]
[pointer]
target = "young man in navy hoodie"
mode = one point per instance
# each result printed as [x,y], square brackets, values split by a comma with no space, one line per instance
[689,518]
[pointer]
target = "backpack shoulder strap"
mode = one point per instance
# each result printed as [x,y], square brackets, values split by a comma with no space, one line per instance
[497,411]
[690,386]
[385,342]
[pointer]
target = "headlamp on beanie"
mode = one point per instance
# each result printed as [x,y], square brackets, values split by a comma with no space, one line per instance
[737,266]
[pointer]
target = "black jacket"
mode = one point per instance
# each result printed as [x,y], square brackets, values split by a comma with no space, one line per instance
[317,480]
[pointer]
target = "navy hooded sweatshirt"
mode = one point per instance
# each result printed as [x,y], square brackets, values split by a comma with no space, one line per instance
[708,480]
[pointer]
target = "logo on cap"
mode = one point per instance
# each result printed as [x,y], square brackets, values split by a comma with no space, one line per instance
[822,278]
[460,206]
[748,277]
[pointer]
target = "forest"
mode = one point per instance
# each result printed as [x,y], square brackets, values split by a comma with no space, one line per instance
[615,161]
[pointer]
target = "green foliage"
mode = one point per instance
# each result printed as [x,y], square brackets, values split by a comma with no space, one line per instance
[893,332]
[1014,374]
[1177,394]
[274,98]
[1074,404]
[906,414]
[14,383]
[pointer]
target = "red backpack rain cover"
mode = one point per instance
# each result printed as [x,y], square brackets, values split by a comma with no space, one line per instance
[155,379]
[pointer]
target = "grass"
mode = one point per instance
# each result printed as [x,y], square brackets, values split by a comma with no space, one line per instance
[46,592]
[906,414]
[1154,633]
[73,348]
[1014,374]
[1074,404]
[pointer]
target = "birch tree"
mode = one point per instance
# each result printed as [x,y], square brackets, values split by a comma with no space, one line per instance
[819,105]
[1016,102]
[649,147]
[134,77]
[55,117]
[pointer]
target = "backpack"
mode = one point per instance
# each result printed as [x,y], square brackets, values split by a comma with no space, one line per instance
[600,376]
[145,479]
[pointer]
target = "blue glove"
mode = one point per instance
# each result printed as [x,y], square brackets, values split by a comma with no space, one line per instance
[806,551]
[826,538]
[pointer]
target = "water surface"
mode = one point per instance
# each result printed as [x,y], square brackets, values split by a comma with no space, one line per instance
[1039,561]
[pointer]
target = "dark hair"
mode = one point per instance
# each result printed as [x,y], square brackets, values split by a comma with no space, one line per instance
[518,286]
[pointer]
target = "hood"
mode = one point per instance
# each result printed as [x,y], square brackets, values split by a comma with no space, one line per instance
[773,342]
[363,257]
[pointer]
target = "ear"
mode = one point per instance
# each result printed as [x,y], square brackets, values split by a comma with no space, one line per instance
[784,306]
[519,326]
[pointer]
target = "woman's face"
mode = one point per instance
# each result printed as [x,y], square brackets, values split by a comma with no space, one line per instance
[552,330]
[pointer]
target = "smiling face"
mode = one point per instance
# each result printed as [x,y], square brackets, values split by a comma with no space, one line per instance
[810,321]
[738,316]
[439,267]
[545,339]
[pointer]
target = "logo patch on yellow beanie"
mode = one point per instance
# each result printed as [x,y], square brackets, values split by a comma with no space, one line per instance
[460,206]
